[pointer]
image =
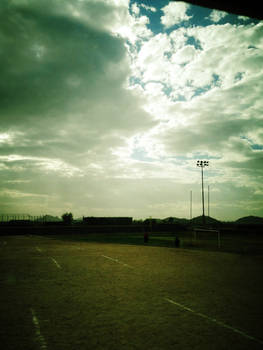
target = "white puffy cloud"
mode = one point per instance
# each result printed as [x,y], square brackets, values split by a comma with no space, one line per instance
[135,9]
[216,15]
[149,8]
[203,85]
[219,56]
[184,55]
[244,18]
[174,13]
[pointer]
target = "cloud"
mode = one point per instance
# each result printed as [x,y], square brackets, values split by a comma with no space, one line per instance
[174,13]
[17,194]
[64,101]
[216,15]
[243,18]
[203,85]
[135,9]
[209,62]
[100,116]
[52,59]
[61,78]
[149,8]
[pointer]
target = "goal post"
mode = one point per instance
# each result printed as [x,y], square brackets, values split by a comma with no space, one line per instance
[211,231]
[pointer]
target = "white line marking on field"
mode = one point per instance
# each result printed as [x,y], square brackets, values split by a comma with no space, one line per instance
[39,250]
[56,263]
[222,324]
[41,339]
[117,261]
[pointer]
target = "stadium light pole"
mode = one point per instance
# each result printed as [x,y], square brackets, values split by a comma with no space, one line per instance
[191,204]
[208,200]
[202,164]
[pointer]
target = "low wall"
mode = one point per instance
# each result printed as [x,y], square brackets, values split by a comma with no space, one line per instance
[48,228]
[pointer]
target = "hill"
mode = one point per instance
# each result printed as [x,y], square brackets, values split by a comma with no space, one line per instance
[250,220]
[208,220]
[174,220]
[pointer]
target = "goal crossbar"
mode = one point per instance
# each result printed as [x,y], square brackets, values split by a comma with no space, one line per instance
[196,230]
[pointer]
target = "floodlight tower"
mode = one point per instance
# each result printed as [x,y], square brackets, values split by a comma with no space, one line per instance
[202,164]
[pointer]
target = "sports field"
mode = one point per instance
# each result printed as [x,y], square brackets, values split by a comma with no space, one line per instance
[61,294]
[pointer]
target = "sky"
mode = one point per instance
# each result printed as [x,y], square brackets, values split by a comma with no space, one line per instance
[106,106]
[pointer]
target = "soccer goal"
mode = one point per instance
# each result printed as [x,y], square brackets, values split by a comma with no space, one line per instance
[200,231]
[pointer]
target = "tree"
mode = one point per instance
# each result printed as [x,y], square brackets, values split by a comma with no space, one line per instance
[67,218]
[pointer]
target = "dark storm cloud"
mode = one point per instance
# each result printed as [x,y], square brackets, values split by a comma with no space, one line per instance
[62,80]
[49,61]
[64,105]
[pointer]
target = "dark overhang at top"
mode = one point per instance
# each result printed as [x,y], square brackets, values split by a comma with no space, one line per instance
[253,8]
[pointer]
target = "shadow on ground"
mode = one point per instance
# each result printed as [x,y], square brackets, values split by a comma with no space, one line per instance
[154,240]
[229,243]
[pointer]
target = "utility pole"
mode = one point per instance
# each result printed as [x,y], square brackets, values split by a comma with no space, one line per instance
[202,164]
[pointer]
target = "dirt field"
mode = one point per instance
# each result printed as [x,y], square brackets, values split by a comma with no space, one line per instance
[62,293]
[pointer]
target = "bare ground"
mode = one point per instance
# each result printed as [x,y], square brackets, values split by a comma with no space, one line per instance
[76,294]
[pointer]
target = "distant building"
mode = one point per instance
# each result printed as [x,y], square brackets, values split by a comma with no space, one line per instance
[92,220]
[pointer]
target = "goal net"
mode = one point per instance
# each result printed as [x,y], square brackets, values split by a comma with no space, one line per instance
[207,236]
